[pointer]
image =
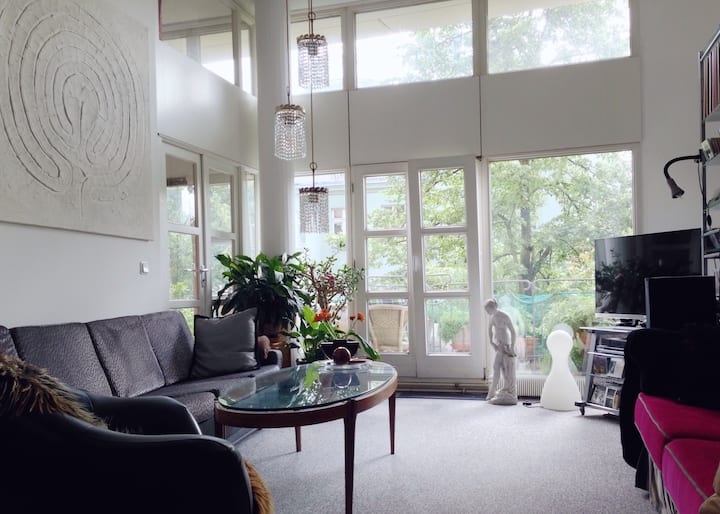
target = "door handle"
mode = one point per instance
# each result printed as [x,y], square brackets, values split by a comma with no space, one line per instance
[203,276]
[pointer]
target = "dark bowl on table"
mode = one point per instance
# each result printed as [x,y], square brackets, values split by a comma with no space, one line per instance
[328,347]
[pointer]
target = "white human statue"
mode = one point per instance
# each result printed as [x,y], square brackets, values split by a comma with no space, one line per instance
[502,338]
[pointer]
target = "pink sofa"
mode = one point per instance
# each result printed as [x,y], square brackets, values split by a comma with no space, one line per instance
[670,415]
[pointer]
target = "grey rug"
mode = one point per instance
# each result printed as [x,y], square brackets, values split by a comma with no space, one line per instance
[453,456]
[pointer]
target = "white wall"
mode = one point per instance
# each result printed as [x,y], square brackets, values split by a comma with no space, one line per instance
[49,276]
[671,34]
[415,121]
[592,104]
[196,106]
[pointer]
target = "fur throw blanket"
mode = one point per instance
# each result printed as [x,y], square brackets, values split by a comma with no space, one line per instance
[29,389]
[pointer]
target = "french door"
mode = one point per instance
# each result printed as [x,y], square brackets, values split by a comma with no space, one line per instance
[417,239]
[202,209]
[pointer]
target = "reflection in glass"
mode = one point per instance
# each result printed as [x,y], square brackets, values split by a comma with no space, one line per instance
[386,264]
[447,325]
[183,253]
[445,262]
[385,202]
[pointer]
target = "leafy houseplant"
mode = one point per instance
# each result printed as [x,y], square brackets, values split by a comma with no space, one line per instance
[330,286]
[270,284]
[314,329]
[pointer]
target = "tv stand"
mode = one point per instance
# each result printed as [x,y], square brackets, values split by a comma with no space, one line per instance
[605,368]
[627,323]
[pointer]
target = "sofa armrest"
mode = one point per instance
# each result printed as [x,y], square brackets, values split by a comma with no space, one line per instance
[147,415]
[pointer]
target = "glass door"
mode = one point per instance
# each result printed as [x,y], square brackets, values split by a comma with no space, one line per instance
[418,243]
[221,234]
[202,221]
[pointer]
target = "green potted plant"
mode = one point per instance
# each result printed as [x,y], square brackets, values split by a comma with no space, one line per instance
[331,288]
[314,329]
[270,284]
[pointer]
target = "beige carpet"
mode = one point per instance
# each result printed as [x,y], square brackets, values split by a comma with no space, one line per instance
[454,456]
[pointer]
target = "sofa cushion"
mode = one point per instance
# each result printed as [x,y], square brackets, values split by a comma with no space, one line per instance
[66,351]
[172,342]
[126,355]
[661,420]
[200,404]
[688,469]
[6,343]
[224,345]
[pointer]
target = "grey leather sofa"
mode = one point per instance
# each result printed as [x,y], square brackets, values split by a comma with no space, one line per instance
[129,356]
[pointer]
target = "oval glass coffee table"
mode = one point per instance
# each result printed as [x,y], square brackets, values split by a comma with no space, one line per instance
[307,395]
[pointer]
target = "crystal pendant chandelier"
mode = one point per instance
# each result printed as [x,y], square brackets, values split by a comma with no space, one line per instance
[289,131]
[313,67]
[289,118]
[314,211]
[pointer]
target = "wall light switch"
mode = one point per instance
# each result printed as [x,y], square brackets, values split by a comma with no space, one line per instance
[144,267]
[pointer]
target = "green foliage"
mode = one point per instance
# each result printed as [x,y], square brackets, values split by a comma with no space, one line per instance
[313,329]
[576,311]
[547,212]
[439,53]
[563,34]
[271,284]
[331,287]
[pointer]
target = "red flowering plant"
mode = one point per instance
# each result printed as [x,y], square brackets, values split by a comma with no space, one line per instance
[316,328]
[331,286]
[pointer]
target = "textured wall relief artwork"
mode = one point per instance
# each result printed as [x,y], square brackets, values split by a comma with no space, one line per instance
[74,113]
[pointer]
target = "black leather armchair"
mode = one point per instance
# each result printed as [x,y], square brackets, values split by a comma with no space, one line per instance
[153,459]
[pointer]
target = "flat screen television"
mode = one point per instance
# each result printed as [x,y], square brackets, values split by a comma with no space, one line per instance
[623,263]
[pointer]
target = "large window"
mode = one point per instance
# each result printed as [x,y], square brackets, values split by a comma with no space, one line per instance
[540,33]
[204,32]
[546,214]
[430,41]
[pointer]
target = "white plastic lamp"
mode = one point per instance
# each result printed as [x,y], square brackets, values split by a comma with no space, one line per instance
[560,391]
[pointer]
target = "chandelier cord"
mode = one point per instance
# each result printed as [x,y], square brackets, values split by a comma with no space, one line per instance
[313,164]
[287,45]
[311,17]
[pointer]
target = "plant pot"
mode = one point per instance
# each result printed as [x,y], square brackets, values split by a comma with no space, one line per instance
[328,347]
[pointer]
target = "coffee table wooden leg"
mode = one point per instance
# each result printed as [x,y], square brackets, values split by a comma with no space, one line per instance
[298,439]
[350,418]
[391,407]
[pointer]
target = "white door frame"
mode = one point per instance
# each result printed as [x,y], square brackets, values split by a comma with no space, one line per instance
[417,362]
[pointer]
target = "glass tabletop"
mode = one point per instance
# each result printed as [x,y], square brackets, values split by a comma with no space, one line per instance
[307,386]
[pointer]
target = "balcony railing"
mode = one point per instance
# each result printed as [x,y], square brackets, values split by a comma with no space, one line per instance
[537,307]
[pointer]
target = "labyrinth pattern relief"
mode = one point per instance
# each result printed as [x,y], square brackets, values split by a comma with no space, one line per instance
[75,135]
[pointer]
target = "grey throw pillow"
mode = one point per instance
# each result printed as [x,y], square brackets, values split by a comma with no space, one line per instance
[224,345]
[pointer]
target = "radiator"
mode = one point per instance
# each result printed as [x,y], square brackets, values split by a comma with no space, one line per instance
[531,385]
